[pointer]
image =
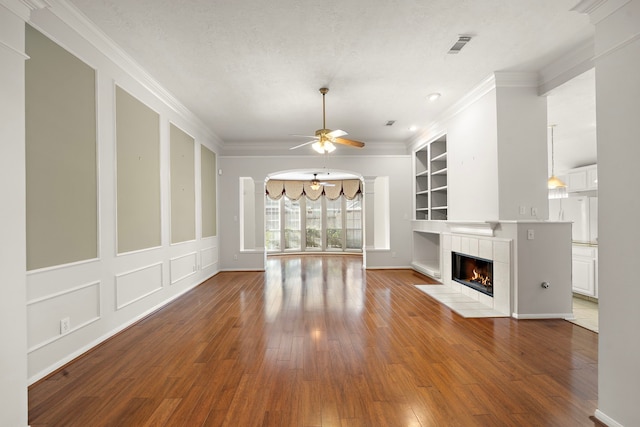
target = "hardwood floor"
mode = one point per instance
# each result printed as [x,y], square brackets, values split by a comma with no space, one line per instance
[317,341]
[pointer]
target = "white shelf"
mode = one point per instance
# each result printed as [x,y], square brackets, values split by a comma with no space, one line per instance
[430,168]
[431,268]
[441,157]
[442,171]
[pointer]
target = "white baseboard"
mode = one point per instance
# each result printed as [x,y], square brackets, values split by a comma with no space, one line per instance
[542,316]
[606,419]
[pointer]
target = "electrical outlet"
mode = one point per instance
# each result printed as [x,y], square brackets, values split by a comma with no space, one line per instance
[65,325]
[393,254]
[235,257]
[530,234]
[523,210]
[534,212]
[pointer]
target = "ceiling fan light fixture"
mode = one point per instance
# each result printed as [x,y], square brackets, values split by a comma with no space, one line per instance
[323,147]
[315,185]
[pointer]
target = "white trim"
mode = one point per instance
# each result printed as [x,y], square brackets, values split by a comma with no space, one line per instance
[566,67]
[57,337]
[216,260]
[36,4]
[363,156]
[78,327]
[561,316]
[618,46]
[606,419]
[598,9]
[194,254]
[110,334]
[479,228]
[17,7]
[61,266]
[140,297]
[75,19]
[14,50]
[59,294]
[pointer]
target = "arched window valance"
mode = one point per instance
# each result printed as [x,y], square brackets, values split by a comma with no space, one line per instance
[348,188]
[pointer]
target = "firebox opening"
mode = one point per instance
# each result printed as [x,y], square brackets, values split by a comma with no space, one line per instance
[476,273]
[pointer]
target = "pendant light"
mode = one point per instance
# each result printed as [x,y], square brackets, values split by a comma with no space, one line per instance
[557,188]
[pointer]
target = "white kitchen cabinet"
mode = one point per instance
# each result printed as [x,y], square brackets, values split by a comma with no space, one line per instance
[582,179]
[584,268]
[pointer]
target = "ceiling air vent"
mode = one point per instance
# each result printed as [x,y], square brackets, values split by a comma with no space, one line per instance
[390,123]
[457,47]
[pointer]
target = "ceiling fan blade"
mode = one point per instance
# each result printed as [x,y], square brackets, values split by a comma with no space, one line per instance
[303,136]
[337,133]
[327,184]
[303,144]
[350,142]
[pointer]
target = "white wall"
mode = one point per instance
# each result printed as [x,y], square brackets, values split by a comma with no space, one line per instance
[13,335]
[497,151]
[104,295]
[472,161]
[397,168]
[618,109]
[522,152]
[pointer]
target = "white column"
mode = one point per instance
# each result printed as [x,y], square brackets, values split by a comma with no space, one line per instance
[13,314]
[617,62]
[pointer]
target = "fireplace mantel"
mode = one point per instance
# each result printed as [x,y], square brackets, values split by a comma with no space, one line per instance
[477,228]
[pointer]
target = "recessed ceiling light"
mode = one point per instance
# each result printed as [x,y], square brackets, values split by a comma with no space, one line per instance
[433,96]
[413,128]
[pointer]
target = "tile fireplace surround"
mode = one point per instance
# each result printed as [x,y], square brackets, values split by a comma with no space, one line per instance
[520,265]
[492,249]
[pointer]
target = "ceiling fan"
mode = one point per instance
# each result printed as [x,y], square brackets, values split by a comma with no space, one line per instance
[316,183]
[324,139]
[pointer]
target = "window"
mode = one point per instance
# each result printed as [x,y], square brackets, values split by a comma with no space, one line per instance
[334,223]
[354,223]
[291,224]
[313,235]
[272,226]
[328,225]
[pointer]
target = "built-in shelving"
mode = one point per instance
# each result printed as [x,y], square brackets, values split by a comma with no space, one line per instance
[431,192]
[431,180]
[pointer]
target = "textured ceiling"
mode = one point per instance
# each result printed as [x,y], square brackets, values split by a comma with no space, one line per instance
[251,69]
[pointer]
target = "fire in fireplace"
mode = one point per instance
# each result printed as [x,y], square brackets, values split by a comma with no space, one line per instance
[476,273]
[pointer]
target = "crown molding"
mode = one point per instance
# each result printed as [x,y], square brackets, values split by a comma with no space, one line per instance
[567,66]
[77,21]
[598,9]
[516,79]
[36,4]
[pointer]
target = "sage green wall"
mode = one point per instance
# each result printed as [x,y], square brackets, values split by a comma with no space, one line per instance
[208,178]
[61,172]
[138,174]
[183,190]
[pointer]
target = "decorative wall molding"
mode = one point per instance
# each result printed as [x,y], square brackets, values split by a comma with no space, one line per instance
[209,257]
[183,266]
[71,16]
[134,285]
[42,321]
